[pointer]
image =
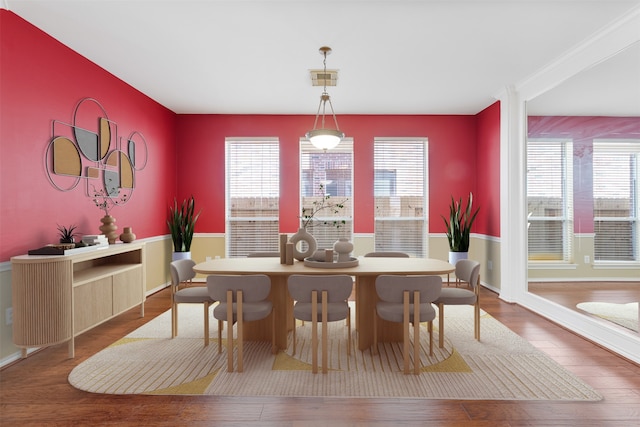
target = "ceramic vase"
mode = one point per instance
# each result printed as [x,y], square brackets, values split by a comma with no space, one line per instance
[127,235]
[308,244]
[343,248]
[109,228]
[180,255]
[454,257]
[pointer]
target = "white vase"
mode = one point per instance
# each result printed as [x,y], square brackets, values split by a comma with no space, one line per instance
[305,238]
[343,248]
[454,257]
[180,255]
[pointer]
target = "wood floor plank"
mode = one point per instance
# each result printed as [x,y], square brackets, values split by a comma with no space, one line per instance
[35,391]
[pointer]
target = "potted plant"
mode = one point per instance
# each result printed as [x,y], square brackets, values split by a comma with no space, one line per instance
[181,222]
[459,228]
[67,234]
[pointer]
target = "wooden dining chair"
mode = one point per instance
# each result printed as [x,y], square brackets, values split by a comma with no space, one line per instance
[467,272]
[325,297]
[182,273]
[243,298]
[398,296]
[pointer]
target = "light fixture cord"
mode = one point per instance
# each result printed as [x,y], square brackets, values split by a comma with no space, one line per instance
[324,98]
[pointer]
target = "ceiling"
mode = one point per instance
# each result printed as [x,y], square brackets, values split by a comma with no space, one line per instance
[254,57]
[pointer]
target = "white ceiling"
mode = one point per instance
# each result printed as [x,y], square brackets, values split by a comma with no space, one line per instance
[254,57]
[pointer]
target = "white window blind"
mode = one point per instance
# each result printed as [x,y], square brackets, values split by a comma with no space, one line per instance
[400,194]
[550,200]
[615,200]
[252,196]
[330,173]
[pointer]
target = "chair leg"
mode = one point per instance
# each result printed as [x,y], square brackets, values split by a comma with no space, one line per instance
[294,336]
[349,333]
[314,331]
[405,329]
[274,348]
[374,348]
[174,319]
[476,310]
[430,337]
[416,332]
[240,331]
[220,323]
[230,331]
[441,325]
[325,362]
[206,324]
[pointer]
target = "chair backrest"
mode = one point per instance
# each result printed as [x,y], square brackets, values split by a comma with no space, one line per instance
[468,270]
[390,288]
[263,255]
[254,287]
[181,271]
[338,287]
[390,254]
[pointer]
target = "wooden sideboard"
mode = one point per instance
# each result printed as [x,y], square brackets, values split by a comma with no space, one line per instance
[56,298]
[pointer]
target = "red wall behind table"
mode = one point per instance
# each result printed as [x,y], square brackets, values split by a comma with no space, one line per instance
[41,80]
[452,161]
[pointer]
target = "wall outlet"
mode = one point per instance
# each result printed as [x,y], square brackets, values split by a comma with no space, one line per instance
[490,265]
[8,316]
[587,260]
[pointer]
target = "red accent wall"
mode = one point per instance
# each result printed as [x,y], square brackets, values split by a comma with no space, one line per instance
[42,80]
[487,194]
[452,160]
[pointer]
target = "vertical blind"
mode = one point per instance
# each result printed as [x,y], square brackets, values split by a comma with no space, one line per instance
[253,191]
[327,173]
[550,200]
[400,195]
[615,200]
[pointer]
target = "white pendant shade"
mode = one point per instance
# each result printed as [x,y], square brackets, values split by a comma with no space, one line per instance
[325,139]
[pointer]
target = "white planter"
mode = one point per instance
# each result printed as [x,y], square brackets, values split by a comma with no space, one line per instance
[180,255]
[454,257]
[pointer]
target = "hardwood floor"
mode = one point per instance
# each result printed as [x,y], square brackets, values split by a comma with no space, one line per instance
[35,391]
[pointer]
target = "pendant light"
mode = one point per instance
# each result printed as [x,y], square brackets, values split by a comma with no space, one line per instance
[324,138]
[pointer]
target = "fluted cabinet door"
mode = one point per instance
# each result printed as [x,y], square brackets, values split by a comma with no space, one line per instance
[42,303]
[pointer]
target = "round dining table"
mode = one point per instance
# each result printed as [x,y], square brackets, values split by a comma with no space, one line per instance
[365,273]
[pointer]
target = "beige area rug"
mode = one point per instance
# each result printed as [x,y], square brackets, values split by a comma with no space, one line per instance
[621,314]
[502,366]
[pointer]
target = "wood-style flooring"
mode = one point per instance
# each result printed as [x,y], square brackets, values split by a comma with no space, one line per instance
[35,391]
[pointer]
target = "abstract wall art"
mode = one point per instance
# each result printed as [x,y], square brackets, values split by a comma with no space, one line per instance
[88,150]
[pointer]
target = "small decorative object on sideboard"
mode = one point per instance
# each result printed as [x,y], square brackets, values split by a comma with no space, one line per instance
[109,228]
[67,234]
[127,236]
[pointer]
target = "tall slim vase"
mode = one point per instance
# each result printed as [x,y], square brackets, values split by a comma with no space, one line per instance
[109,228]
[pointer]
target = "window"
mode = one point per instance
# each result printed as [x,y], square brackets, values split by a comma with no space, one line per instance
[400,193]
[329,172]
[615,200]
[253,190]
[550,200]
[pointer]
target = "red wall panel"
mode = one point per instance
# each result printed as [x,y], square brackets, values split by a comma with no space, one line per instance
[487,195]
[41,81]
[452,160]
